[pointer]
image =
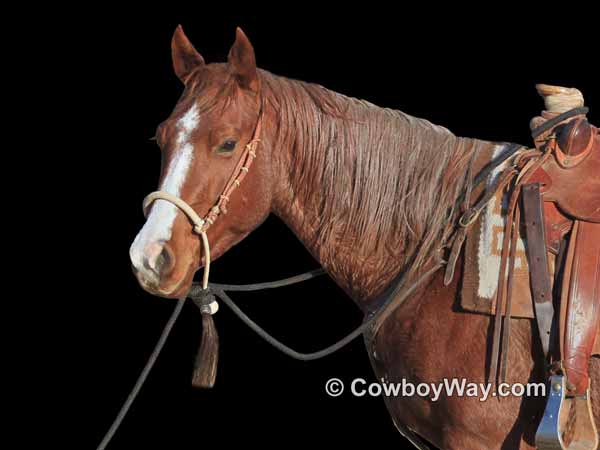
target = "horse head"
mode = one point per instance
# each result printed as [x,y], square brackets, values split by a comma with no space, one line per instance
[202,143]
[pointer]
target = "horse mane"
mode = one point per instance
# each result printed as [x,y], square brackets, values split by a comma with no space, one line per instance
[392,179]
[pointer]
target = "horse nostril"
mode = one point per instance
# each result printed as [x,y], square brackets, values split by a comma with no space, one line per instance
[166,260]
[159,258]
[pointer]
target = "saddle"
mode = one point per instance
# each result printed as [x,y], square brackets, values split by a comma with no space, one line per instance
[552,209]
[561,208]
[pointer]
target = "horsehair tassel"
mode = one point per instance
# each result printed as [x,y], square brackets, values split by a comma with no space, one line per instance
[205,366]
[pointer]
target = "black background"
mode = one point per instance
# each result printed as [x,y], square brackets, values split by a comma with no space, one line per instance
[472,74]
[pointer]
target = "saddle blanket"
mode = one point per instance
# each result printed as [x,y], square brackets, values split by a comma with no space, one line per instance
[483,248]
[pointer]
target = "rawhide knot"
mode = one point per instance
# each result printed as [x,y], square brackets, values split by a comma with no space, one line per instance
[206,302]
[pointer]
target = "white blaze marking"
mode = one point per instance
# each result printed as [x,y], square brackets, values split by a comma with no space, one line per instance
[159,225]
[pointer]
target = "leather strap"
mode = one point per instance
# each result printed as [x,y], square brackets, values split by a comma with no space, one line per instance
[526,166]
[470,216]
[538,262]
[509,290]
[501,291]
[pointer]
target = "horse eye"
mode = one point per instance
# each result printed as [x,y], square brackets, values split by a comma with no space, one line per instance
[227,146]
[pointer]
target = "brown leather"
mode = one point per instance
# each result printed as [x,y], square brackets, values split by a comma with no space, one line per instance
[556,226]
[574,138]
[506,321]
[528,167]
[575,189]
[541,283]
[582,297]
[567,187]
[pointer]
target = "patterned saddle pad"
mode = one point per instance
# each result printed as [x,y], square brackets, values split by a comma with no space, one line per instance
[482,255]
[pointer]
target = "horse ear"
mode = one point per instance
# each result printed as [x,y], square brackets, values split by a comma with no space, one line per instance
[243,62]
[185,57]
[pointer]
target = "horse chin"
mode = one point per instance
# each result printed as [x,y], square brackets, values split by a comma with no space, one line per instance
[174,288]
[176,292]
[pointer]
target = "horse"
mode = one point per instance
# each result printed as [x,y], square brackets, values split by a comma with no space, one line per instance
[371,193]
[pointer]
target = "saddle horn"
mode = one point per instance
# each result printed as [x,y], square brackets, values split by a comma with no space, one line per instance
[558,99]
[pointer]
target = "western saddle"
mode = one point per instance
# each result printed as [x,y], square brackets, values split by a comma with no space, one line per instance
[556,196]
[561,208]
[556,188]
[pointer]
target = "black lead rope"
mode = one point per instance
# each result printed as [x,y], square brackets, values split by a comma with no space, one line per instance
[220,293]
[195,294]
[143,375]
[196,289]
[198,294]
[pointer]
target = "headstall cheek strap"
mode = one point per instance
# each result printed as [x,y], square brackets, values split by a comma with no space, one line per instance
[201,225]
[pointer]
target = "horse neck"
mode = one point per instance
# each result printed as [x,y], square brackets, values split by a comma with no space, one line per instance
[365,189]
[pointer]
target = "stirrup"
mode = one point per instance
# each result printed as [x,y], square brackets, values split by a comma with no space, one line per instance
[568,423]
